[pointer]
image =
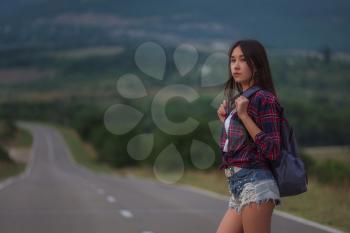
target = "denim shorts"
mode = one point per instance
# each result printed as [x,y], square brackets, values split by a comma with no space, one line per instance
[251,186]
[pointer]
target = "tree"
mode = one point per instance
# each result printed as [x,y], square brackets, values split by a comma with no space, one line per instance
[326,54]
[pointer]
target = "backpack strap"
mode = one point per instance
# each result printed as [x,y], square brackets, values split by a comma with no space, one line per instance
[250,91]
[247,93]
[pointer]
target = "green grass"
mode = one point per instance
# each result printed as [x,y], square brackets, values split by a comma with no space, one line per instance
[82,153]
[340,153]
[10,169]
[22,138]
[325,204]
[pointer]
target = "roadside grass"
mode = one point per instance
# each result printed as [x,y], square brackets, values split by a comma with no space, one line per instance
[340,153]
[10,169]
[82,153]
[22,139]
[326,204]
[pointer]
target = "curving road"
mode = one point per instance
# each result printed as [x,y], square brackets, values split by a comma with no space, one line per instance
[55,194]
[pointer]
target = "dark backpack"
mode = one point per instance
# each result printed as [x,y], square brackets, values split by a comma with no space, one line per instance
[288,169]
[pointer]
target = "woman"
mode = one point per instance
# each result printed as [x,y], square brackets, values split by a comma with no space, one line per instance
[250,138]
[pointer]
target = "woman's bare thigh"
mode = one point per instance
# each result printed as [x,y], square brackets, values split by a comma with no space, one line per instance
[231,222]
[257,217]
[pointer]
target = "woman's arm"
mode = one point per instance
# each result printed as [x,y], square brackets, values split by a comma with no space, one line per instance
[268,138]
[250,125]
[222,111]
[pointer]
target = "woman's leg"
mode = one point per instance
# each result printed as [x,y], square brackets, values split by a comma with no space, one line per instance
[257,217]
[231,222]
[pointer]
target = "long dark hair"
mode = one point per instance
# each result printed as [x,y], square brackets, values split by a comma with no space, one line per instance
[255,55]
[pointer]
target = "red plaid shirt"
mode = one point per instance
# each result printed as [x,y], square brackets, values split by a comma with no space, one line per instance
[265,111]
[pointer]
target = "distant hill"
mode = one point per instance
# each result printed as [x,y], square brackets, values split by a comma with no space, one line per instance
[58,55]
[277,23]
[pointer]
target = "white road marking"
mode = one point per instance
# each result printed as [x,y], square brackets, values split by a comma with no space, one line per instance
[126,213]
[110,199]
[306,222]
[277,212]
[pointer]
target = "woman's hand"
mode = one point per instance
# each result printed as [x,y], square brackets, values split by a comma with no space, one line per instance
[242,106]
[221,111]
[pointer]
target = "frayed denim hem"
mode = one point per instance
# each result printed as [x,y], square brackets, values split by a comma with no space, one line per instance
[239,209]
[249,186]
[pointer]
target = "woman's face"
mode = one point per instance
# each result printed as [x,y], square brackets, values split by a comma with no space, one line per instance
[239,67]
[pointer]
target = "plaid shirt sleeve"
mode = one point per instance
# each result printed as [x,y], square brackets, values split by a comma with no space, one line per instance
[268,141]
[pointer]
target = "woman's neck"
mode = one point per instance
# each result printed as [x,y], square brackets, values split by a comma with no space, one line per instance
[246,85]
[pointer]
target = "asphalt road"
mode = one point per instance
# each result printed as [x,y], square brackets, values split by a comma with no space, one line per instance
[55,194]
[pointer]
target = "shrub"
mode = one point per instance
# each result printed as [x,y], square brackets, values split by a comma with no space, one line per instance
[333,171]
[4,155]
[309,162]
